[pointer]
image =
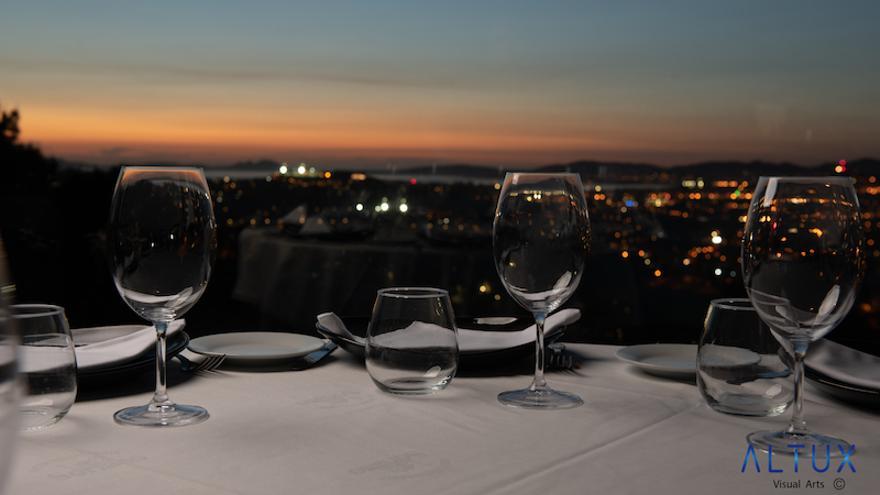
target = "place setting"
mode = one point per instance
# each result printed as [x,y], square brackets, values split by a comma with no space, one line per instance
[161,280]
[754,354]
[483,341]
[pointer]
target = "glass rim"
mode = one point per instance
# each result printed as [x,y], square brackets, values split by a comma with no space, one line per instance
[45,310]
[538,174]
[847,180]
[733,303]
[190,168]
[417,292]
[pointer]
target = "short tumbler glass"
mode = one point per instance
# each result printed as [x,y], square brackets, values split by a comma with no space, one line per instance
[741,368]
[412,342]
[47,364]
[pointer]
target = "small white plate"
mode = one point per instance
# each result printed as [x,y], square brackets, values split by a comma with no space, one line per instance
[671,360]
[250,348]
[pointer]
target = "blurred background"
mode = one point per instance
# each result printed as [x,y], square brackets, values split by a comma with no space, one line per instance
[352,146]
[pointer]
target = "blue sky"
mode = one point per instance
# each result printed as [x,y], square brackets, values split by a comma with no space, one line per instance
[486,82]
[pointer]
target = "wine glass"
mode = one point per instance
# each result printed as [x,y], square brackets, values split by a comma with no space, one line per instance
[163,237]
[541,240]
[803,260]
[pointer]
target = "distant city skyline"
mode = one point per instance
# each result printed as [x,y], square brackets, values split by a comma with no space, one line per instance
[506,83]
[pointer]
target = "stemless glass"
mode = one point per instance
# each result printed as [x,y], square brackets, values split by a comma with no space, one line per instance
[541,240]
[412,342]
[802,260]
[741,368]
[163,237]
[47,362]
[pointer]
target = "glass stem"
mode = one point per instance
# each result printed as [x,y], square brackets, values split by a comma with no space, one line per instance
[160,397]
[539,383]
[798,425]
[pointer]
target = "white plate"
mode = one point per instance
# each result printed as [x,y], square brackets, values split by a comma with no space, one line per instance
[675,360]
[680,360]
[256,347]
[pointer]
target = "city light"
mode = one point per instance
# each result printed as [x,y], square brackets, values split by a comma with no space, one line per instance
[648,226]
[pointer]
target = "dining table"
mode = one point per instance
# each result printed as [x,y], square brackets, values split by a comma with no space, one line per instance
[329,430]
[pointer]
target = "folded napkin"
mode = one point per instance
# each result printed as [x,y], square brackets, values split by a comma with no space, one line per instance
[469,340]
[845,364]
[100,346]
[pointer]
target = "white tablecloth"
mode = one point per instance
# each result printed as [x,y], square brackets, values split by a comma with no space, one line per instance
[328,430]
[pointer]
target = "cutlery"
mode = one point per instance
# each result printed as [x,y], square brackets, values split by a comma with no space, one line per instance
[209,363]
[311,359]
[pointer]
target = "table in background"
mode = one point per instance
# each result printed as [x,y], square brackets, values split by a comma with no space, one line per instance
[289,280]
[328,430]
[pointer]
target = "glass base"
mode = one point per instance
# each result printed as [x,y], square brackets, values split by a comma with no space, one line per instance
[781,441]
[155,415]
[412,386]
[543,398]
[38,418]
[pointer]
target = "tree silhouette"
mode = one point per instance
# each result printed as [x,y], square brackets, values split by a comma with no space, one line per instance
[51,222]
[9,129]
[25,169]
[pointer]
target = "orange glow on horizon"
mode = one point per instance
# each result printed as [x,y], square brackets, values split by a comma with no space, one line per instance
[224,135]
[72,131]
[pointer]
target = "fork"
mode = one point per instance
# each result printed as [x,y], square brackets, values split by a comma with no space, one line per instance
[210,363]
[559,359]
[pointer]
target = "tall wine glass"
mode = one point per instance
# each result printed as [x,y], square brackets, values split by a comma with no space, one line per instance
[163,237]
[541,240]
[803,260]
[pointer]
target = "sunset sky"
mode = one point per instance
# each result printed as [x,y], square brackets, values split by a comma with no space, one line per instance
[494,82]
